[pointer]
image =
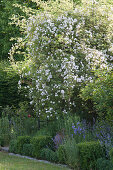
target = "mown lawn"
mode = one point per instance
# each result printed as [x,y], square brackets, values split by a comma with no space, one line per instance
[8,162]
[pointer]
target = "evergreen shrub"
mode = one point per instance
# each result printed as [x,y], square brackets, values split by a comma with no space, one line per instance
[89,152]
[39,143]
[49,155]
[27,149]
[21,140]
[104,164]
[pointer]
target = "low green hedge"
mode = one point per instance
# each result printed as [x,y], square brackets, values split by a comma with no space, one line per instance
[27,149]
[21,140]
[89,152]
[39,143]
[49,155]
[104,164]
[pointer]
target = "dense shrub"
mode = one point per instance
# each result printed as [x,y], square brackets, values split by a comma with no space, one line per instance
[49,155]
[104,164]
[21,140]
[89,152]
[27,149]
[13,146]
[100,91]
[66,50]
[39,143]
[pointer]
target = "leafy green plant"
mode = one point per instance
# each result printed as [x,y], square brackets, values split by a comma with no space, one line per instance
[27,149]
[68,153]
[49,155]
[104,164]
[13,146]
[21,140]
[62,157]
[39,143]
[71,149]
[7,31]
[100,91]
[89,152]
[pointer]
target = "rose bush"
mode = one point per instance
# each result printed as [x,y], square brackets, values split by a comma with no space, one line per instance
[64,50]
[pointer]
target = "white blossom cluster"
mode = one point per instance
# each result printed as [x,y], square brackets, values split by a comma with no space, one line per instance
[61,58]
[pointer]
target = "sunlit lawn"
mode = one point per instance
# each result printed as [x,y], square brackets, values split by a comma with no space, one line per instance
[8,162]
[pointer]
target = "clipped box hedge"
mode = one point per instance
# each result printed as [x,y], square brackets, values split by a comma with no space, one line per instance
[27,149]
[49,155]
[89,152]
[21,140]
[39,143]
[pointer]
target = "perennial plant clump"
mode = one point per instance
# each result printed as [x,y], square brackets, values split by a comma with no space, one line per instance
[100,131]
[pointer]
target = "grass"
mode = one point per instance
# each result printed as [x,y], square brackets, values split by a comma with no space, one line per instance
[8,162]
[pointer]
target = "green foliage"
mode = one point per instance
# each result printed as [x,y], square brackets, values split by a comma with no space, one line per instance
[111,155]
[7,31]
[8,85]
[71,150]
[100,91]
[21,140]
[9,93]
[89,152]
[68,153]
[39,143]
[27,149]
[29,124]
[48,155]
[61,154]
[4,131]
[104,164]
[13,146]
